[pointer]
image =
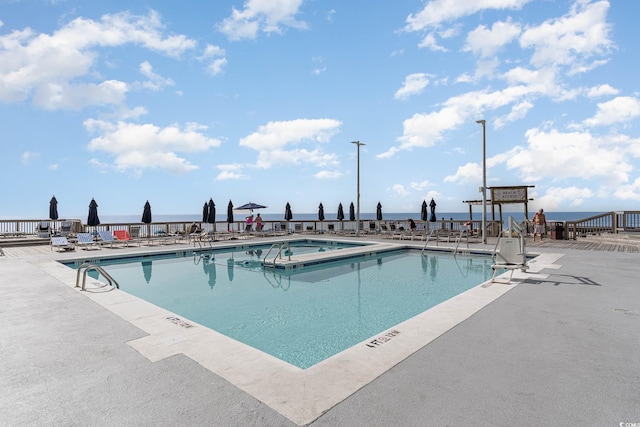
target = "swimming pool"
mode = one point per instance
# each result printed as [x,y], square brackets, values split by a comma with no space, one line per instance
[301,316]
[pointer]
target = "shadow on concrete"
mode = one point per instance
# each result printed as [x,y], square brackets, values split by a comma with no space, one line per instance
[562,279]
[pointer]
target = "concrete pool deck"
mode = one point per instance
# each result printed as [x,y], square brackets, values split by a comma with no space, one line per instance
[561,347]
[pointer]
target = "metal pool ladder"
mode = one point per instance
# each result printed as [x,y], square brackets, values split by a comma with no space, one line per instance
[84,269]
[280,247]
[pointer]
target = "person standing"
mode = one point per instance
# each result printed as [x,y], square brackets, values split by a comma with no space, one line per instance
[539,224]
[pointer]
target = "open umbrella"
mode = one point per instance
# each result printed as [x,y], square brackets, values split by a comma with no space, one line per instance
[205,212]
[340,216]
[146,213]
[352,212]
[229,214]
[379,212]
[432,204]
[288,215]
[320,212]
[92,219]
[423,213]
[53,208]
[250,206]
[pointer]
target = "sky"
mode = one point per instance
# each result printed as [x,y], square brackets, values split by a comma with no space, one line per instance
[260,100]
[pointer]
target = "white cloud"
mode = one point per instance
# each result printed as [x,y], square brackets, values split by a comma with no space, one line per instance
[628,192]
[274,140]
[429,41]
[557,155]
[156,81]
[413,84]
[328,174]
[146,146]
[602,90]
[230,171]
[571,40]
[619,110]
[27,156]
[215,55]
[399,189]
[486,42]
[48,67]
[420,186]
[268,16]
[568,196]
[467,173]
[437,11]
[518,111]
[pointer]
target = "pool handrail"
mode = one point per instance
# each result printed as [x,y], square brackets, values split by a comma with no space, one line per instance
[89,266]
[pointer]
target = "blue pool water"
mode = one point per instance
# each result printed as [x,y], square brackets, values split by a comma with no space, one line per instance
[302,316]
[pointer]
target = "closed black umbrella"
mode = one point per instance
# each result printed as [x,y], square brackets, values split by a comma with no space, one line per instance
[229,214]
[146,213]
[432,204]
[288,215]
[205,212]
[53,208]
[352,212]
[92,219]
[379,212]
[211,217]
[320,212]
[340,216]
[423,213]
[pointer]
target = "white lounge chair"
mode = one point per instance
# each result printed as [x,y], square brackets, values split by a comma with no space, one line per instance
[61,243]
[509,255]
[108,239]
[85,240]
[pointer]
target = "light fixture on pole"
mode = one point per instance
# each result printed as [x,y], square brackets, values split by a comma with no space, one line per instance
[358,143]
[484,180]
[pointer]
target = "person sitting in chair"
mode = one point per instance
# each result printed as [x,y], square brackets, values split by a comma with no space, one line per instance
[249,223]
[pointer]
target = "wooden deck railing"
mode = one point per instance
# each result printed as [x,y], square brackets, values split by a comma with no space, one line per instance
[610,222]
[29,227]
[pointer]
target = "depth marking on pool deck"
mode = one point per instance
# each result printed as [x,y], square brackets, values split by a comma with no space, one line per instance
[178,321]
[382,339]
[284,387]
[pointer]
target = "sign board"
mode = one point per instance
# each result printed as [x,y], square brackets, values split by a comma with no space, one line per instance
[509,194]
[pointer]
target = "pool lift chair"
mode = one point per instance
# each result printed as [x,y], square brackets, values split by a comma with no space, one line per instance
[510,253]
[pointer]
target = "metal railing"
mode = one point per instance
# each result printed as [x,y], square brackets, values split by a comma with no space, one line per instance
[86,267]
[609,222]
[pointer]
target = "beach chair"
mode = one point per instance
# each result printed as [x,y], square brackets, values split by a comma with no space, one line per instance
[509,255]
[123,236]
[65,228]
[61,243]
[44,230]
[297,228]
[85,241]
[108,239]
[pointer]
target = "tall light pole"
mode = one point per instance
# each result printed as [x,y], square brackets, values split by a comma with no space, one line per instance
[358,143]
[484,180]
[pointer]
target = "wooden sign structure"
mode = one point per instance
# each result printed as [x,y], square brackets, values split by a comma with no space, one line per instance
[504,196]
